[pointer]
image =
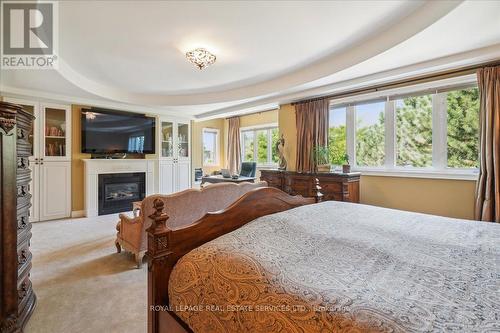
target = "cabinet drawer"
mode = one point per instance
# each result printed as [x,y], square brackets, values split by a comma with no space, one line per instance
[23,290]
[23,258]
[330,187]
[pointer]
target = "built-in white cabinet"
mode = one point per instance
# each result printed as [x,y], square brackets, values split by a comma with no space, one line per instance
[174,172]
[55,194]
[50,160]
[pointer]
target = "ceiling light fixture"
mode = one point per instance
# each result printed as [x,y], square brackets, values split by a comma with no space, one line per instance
[200,57]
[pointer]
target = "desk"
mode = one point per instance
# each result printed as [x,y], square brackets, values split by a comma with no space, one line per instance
[220,179]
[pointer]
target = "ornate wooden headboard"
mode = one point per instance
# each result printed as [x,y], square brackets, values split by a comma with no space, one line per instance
[190,205]
[166,246]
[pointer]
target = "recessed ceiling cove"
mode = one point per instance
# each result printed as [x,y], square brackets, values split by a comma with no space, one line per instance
[134,52]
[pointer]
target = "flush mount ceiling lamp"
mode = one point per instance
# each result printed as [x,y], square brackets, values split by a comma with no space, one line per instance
[200,57]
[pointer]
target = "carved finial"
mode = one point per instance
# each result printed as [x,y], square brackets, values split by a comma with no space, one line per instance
[159,217]
[158,205]
[318,196]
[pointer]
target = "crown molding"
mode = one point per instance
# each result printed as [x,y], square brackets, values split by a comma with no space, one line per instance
[14,92]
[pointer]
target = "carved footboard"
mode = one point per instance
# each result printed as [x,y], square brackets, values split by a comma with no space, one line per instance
[167,246]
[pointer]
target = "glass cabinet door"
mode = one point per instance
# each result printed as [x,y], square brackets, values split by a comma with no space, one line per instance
[56,138]
[183,140]
[167,139]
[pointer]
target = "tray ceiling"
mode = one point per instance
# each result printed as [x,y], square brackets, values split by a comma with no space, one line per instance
[133,52]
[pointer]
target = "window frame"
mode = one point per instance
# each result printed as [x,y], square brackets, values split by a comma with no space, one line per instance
[439,168]
[215,131]
[269,127]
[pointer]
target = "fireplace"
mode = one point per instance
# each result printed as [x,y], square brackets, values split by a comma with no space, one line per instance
[117,191]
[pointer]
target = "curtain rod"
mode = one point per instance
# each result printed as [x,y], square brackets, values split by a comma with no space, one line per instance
[405,82]
[251,113]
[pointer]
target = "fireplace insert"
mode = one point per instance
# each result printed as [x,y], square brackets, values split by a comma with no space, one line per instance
[117,191]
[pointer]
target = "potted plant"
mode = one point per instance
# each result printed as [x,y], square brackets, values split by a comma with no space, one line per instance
[346,168]
[321,158]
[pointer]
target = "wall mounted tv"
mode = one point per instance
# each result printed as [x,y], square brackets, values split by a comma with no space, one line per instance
[109,132]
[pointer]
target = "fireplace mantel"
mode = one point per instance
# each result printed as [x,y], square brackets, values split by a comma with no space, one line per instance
[94,167]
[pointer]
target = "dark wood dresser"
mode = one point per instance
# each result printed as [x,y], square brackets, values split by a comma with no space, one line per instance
[17,299]
[334,186]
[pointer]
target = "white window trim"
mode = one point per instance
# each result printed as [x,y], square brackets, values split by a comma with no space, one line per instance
[254,129]
[217,151]
[439,169]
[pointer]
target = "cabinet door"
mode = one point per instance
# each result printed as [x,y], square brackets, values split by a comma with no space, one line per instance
[167,138]
[167,177]
[183,175]
[56,132]
[183,140]
[55,190]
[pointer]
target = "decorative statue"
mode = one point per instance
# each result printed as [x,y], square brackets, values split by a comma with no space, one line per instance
[280,147]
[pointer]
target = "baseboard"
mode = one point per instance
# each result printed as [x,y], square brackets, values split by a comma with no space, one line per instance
[78,213]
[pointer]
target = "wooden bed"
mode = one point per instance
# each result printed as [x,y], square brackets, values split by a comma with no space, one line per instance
[329,267]
[167,246]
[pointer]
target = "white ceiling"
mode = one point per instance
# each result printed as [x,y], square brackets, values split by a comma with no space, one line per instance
[131,53]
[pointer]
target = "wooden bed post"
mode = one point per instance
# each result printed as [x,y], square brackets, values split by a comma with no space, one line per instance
[159,265]
[318,196]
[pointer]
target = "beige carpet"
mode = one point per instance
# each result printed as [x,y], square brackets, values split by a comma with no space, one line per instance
[82,284]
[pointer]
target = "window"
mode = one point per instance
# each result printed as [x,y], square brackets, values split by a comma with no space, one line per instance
[210,146]
[259,145]
[414,131]
[436,131]
[337,139]
[462,111]
[274,149]
[248,146]
[136,143]
[370,134]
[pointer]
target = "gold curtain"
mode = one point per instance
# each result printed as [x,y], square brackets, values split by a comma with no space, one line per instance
[487,206]
[234,146]
[312,130]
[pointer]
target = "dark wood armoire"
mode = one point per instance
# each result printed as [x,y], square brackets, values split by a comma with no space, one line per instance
[17,299]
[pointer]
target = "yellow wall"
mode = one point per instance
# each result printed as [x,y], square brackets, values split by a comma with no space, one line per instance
[453,198]
[445,197]
[288,127]
[196,146]
[77,167]
[261,118]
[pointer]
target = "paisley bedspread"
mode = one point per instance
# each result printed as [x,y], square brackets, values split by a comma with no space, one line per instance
[341,267]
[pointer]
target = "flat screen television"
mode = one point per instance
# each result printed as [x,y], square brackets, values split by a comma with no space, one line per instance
[109,132]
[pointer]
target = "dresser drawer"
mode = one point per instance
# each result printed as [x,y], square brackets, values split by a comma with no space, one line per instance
[23,258]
